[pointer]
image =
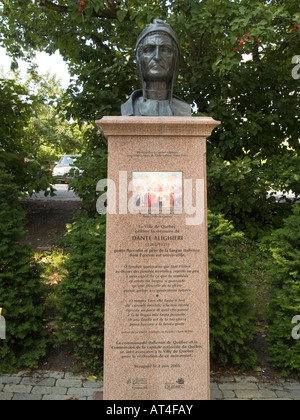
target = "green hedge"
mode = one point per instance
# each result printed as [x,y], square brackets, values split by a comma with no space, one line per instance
[81,297]
[284,294]
[81,301]
[22,294]
[232,321]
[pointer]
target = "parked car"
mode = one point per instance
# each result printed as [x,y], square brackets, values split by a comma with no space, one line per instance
[65,169]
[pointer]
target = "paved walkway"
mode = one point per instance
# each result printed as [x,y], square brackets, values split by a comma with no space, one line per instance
[46,385]
[251,388]
[49,385]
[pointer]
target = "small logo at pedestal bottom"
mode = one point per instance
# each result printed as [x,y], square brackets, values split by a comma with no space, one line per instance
[138,383]
[179,384]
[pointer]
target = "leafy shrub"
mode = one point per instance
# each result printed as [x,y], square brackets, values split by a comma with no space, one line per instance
[284,292]
[21,292]
[232,322]
[81,297]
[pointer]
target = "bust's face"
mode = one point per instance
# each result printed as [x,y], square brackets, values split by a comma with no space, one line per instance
[157,58]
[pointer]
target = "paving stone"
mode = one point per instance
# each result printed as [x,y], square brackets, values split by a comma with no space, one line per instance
[57,375]
[216,395]
[214,386]
[242,379]
[272,399]
[97,396]
[81,392]
[54,397]
[228,395]
[272,387]
[6,396]
[20,389]
[252,394]
[48,390]
[37,374]
[38,381]
[26,397]
[93,384]
[238,386]
[295,395]
[292,386]
[73,376]
[226,379]
[10,380]
[69,383]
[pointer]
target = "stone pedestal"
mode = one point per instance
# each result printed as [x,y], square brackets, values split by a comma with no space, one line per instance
[157,306]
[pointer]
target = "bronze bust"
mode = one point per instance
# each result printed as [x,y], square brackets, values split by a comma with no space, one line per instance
[157,57]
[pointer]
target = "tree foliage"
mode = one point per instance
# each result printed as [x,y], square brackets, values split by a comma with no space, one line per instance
[49,134]
[33,127]
[16,112]
[236,66]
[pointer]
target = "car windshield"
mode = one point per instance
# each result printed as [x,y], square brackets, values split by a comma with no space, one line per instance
[68,160]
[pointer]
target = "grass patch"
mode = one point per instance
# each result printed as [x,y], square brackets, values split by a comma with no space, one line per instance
[53,271]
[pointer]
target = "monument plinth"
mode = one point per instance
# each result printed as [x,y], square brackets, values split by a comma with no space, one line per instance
[157,306]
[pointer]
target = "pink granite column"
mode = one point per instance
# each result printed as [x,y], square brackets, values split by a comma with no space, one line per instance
[157,305]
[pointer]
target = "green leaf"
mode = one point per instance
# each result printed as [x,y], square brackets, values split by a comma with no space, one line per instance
[121,14]
[92,378]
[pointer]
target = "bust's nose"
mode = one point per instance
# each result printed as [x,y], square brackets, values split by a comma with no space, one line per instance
[156,53]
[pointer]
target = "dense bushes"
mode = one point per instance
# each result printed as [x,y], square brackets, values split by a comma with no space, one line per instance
[284,293]
[81,301]
[232,320]
[21,292]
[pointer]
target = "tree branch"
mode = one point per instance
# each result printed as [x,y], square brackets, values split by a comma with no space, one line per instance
[192,46]
[100,44]
[53,6]
[200,46]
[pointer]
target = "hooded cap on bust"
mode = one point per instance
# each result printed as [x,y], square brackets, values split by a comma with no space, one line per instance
[158,25]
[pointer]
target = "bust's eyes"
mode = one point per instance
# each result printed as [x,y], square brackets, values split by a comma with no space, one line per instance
[163,49]
[148,49]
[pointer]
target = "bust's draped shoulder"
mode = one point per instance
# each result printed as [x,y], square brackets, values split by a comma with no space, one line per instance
[179,107]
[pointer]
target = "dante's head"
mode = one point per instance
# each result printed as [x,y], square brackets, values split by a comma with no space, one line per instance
[157,54]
